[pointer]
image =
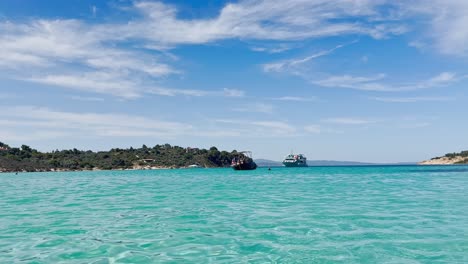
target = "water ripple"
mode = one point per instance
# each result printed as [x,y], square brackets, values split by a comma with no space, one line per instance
[311,215]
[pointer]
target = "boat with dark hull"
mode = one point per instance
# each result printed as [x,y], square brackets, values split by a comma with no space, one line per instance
[295,160]
[243,161]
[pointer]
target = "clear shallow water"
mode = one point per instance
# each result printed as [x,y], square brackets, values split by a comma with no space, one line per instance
[405,214]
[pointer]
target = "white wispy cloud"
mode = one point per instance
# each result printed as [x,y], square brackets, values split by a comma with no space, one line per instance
[121,85]
[348,121]
[417,44]
[255,108]
[13,60]
[318,129]
[47,50]
[269,20]
[32,123]
[120,62]
[275,125]
[374,83]
[175,92]
[233,92]
[447,19]
[84,98]
[272,49]
[51,47]
[315,129]
[291,65]
[196,93]
[96,82]
[18,122]
[295,99]
[353,82]
[416,125]
[413,99]
[262,128]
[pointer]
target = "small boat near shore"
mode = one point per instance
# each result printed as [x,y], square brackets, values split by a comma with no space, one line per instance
[295,160]
[194,166]
[243,161]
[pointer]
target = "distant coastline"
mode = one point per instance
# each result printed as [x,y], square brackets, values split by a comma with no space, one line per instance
[27,159]
[448,159]
[320,163]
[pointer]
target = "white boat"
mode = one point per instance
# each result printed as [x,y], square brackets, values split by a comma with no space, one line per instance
[295,160]
[194,166]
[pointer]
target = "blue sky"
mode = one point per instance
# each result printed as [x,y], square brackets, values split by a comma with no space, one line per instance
[359,80]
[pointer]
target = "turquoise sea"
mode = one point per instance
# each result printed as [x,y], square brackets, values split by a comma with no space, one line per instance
[388,214]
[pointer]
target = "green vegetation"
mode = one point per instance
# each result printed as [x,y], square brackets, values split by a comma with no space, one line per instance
[461,154]
[162,156]
[465,161]
[450,156]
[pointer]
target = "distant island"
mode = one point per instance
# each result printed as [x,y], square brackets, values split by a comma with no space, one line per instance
[272,163]
[448,159]
[165,156]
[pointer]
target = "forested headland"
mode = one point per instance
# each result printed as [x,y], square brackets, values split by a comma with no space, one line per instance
[25,158]
[448,159]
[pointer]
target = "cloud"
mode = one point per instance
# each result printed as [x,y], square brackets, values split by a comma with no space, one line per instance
[137,49]
[413,99]
[295,99]
[416,125]
[233,93]
[275,125]
[175,92]
[121,85]
[46,51]
[98,124]
[353,82]
[255,108]
[89,99]
[75,55]
[317,129]
[272,49]
[97,82]
[122,62]
[196,93]
[291,65]
[348,121]
[13,60]
[261,20]
[373,83]
[29,123]
[447,19]
[53,47]
[259,128]
[417,44]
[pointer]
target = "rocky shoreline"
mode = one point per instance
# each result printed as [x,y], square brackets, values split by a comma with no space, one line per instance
[445,161]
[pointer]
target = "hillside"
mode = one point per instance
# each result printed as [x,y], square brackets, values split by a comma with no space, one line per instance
[448,159]
[160,156]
